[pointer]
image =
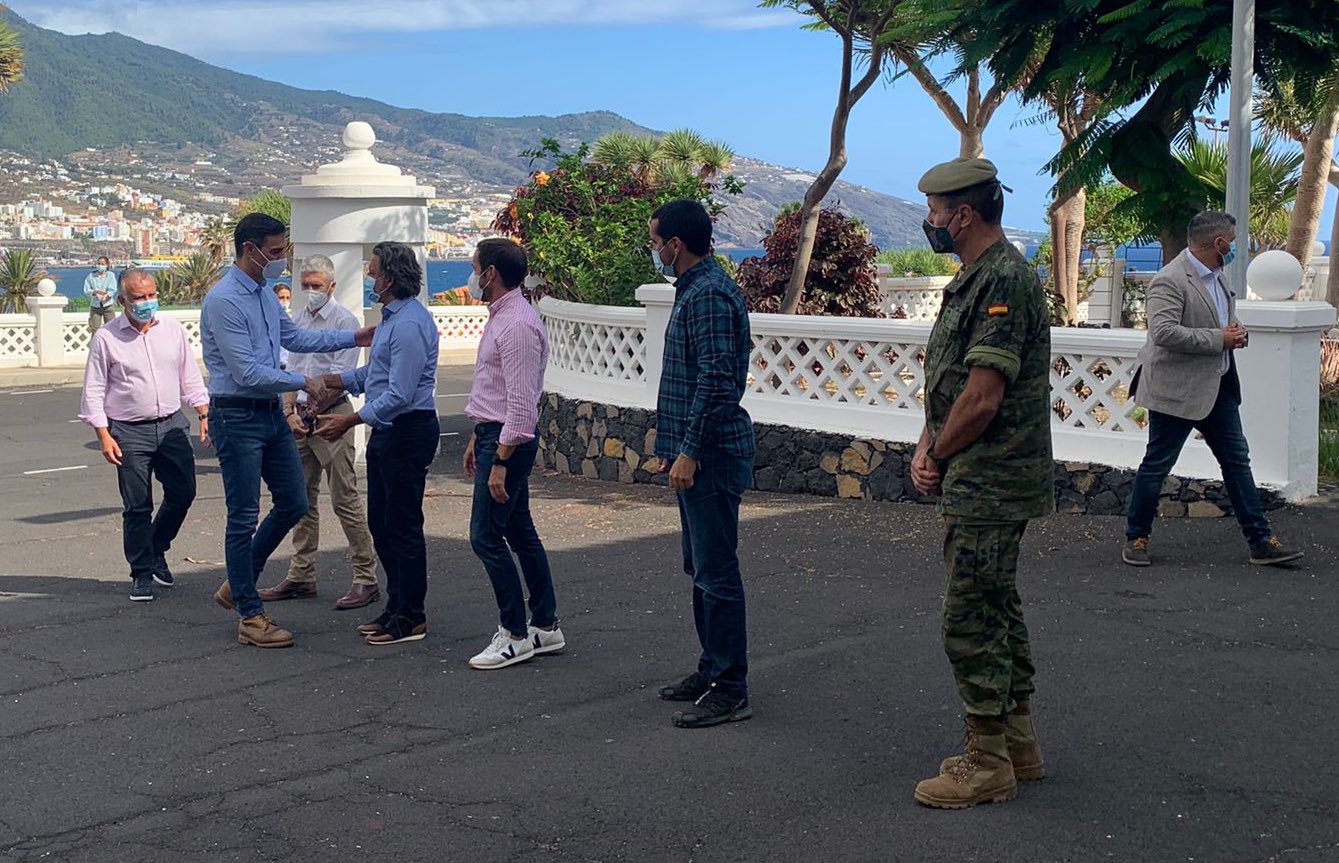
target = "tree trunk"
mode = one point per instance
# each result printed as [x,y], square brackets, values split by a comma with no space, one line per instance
[970,145]
[1314,182]
[1173,241]
[1067,221]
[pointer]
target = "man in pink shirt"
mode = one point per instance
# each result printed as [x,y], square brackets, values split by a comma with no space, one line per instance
[140,369]
[504,404]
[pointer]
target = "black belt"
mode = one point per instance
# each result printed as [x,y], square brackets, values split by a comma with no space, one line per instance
[245,404]
[481,428]
[145,422]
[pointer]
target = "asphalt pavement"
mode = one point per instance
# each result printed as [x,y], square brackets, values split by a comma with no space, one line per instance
[1184,710]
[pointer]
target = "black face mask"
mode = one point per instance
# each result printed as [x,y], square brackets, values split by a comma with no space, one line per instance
[940,237]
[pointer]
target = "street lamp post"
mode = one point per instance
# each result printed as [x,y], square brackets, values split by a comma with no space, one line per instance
[1239,137]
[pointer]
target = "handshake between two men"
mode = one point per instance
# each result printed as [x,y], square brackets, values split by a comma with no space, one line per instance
[324,392]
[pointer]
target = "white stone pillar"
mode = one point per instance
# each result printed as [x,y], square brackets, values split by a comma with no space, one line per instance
[1280,387]
[49,332]
[659,302]
[347,207]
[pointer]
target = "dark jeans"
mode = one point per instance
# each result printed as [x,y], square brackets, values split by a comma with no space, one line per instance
[1222,432]
[498,529]
[709,514]
[398,459]
[149,450]
[255,444]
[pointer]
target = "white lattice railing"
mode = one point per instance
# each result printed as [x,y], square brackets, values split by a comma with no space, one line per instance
[76,335]
[912,299]
[16,340]
[597,351]
[459,326]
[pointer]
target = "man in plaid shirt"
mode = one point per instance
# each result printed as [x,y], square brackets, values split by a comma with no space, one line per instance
[704,439]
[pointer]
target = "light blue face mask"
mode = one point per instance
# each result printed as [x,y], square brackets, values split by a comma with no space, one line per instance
[664,269]
[144,310]
[1231,253]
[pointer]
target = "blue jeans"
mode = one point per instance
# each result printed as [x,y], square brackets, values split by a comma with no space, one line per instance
[1222,432]
[398,459]
[499,529]
[709,514]
[255,444]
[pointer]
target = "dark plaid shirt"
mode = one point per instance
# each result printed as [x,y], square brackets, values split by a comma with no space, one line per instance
[707,347]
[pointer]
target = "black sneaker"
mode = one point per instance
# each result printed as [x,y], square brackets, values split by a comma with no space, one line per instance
[141,588]
[714,708]
[399,629]
[377,626]
[1270,552]
[691,688]
[161,574]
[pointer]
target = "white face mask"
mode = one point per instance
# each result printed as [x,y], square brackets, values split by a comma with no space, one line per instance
[316,300]
[271,270]
[476,288]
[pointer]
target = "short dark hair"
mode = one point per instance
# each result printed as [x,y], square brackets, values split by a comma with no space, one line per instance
[987,199]
[689,221]
[253,228]
[400,265]
[282,286]
[104,258]
[1207,225]
[506,257]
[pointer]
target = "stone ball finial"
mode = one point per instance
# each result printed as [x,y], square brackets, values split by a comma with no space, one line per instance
[1274,275]
[358,135]
[46,288]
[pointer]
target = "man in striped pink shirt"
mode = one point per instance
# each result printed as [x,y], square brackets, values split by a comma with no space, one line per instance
[504,405]
[140,369]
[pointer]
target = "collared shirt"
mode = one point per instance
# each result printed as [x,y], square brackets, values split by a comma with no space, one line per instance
[133,375]
[994,315]
[401,370]
[242,329]
[705,369]
[509,370]
[1213,286]
[105,282]
[331,316]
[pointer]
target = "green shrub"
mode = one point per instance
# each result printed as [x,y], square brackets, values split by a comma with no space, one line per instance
[917,262]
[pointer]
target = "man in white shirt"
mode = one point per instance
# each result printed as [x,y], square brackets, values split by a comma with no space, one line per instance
[333,459]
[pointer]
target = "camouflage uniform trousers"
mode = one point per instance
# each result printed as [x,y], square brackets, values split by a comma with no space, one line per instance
[984,634]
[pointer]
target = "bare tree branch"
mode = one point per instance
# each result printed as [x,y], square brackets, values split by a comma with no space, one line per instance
[916,66]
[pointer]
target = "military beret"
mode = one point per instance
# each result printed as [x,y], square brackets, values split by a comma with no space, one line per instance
[957,174]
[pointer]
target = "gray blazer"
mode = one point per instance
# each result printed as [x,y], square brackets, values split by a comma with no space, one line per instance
[1180,365]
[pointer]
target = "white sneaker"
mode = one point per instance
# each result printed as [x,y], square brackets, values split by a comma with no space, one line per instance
[503,651]
[547,640]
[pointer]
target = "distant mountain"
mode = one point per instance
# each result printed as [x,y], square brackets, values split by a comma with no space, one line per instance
[138,102]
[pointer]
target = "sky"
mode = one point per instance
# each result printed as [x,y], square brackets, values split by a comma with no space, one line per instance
[734,72]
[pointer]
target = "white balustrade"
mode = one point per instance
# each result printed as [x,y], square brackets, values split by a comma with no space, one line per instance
[459,326]
[864,377]
[17,340]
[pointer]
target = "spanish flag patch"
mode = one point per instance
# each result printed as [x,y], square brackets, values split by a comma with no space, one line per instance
[998,310]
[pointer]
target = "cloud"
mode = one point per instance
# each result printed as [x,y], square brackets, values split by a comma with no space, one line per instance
[218,28]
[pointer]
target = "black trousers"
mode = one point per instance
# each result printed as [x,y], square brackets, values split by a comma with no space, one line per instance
[398,459]
[155,449]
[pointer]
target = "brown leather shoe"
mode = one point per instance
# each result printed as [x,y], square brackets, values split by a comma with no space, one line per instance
[262,631]
[223,596]
[289,590]
[358,596]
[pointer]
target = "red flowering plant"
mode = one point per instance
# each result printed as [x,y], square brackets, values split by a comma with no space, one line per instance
[584,221]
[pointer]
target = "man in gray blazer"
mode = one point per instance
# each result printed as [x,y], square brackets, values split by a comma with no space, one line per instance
[1187,379]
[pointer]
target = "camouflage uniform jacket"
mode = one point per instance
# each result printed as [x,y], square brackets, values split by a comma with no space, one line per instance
[994,315]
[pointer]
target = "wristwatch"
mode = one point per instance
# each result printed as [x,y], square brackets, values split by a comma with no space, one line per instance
[941,464]
[500,462]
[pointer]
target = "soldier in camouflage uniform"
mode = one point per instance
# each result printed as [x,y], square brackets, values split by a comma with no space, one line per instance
[986,451]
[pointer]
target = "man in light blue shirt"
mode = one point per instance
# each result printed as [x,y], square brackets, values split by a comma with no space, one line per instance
[242,329]
[398,382]
[100,288]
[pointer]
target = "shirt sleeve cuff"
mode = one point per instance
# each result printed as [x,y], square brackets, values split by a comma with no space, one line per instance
[349,380]
[510,437]
[370,417]
[1002,361]
[691,449]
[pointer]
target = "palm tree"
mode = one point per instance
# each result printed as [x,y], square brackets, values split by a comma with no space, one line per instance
[191,279]
[271,202]
[11,57]
[1274,176]
[19,275]
[216,238]
[666,161]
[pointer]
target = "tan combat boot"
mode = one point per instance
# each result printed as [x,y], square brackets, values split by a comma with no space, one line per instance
[982,774]
[261,631]
[223,596]
[1023,749]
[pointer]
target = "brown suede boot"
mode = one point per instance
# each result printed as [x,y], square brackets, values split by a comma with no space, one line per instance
[982,774]
[223,596]
[261,631]
[1023,749]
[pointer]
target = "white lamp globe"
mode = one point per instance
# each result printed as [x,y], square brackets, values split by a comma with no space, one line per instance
[46,288]
[1317,249]
[1274,275]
